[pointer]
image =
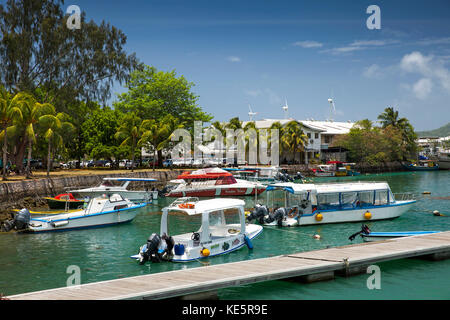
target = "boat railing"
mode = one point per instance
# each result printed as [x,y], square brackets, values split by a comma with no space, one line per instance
[404,196]
[184,200]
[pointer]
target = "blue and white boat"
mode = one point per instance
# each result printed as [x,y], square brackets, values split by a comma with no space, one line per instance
[216,236]
[100,211]
[368,235]
[331,203]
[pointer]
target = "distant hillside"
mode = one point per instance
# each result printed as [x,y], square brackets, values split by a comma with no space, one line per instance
[443,131]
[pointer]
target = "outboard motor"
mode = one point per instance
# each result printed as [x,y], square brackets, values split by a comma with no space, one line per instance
[170,244]
[22,219]
[364,229]
[279,215]
[259,213]
[150,250]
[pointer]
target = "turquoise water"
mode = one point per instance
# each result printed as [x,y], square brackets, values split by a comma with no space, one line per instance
[31,262]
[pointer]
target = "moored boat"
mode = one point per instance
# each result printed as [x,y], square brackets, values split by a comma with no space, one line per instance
[213,182]
[223,230]
[100,211]
[332,203]
[108,187]
[64,201]
[368,235]
[422,165]
[324,170]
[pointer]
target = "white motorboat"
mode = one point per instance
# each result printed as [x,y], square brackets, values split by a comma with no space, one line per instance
[324,170]
[108,187]
[223,230]
[212,182]
[100,211]
[308,204]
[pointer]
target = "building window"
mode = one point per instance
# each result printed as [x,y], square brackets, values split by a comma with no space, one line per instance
[327,139]
[309,135]
[316,135]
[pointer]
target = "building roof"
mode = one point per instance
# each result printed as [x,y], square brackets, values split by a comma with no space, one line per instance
[329,127]
[325,127]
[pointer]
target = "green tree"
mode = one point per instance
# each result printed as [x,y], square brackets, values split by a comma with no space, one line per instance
[31,112]
[158,134]
[10,110]
[98,134]
[153,94]
[293,138]
[129,134]
[37,50]
[55,126]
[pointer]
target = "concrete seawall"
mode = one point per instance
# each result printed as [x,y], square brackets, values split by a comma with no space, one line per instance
[30,193]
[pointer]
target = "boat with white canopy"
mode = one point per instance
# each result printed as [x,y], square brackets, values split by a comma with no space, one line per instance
[223,230]
[308,204]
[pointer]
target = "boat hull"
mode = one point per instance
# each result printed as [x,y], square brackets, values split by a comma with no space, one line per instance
[355,215]
[378,236]
[218,247]
[65,222]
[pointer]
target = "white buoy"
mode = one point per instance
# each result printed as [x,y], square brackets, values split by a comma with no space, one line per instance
[436,213]
[316,236]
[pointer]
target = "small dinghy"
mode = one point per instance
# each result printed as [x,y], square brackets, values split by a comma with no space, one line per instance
[100,211]
[216,235]
[64,201]
[368,235]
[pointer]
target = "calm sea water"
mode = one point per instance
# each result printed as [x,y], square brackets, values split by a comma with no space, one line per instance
[31,262]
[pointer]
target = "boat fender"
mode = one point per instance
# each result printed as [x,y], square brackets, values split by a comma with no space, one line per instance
[205,252]
[367,215]
[248,242]
[319,217]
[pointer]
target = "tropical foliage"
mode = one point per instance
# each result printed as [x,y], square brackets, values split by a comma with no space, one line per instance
[393,141]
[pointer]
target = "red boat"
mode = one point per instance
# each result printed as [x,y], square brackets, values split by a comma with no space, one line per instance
[213,182]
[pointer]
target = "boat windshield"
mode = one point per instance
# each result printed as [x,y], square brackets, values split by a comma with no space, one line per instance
[353,199]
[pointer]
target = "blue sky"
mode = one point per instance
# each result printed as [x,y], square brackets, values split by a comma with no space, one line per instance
[263,52]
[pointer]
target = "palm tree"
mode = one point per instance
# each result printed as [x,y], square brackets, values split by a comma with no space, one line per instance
[293,138]
[54,126]
[158,134]
[390,117]
[248,128]
[10,110]
[31,112]
[129,133]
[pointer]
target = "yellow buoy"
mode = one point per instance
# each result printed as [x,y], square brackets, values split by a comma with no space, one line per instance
[367,215]
[319,217]
[247,213]
[205,252]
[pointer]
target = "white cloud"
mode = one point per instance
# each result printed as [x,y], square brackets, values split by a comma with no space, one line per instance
[427,66]
[234,59]
[373,72]
[422,88]
[308,44]
[360,45]
[253,93]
